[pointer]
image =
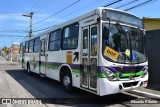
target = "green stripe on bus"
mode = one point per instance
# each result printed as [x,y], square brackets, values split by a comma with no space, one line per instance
[76,71]
[57,67]
[101,75]
[132,74]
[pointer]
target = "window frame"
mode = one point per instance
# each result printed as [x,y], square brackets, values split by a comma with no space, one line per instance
[62,39]
[30,46]
[27,42]
[92,42]
[55,40]
[85,46]
[36,45]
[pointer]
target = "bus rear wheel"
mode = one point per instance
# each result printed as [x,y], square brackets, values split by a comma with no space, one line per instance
[67,81]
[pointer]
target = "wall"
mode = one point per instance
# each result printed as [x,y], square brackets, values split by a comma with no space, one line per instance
[151,24]
[153,50]
[15,51]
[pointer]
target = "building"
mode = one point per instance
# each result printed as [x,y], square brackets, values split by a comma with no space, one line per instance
[15,51]
[151,23]
[152,27]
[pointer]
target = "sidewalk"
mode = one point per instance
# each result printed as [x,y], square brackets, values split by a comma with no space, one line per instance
[151,91]
[11,62]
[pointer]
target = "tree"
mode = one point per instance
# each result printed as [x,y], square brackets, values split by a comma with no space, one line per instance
[6,50]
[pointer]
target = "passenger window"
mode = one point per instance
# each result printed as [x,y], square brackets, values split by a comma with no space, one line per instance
[85,42]
[94,41]
[31,46]
[36,45]
[70,37]
[55,40]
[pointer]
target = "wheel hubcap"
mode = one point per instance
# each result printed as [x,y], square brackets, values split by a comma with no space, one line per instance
[66,80]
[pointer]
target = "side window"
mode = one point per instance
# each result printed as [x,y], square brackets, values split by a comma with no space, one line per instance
[55,40]
[94,41]
[26,47]
[70,37]
[85,42]
[36,45]
[31,46]
[85,39]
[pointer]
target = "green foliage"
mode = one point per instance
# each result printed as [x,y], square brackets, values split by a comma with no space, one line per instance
[6,50]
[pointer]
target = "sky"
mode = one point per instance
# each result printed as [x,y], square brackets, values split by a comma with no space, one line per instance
[14,27]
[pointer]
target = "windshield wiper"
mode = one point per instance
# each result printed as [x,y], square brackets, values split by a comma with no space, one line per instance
[120,29]
[127,35]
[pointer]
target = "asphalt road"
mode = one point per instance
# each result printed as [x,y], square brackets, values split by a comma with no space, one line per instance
[16,83]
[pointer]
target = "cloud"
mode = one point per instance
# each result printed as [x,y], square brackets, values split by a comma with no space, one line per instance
[13,16]
[2,17]
[16,20]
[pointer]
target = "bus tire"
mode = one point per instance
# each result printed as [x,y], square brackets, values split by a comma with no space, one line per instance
[67,81]
[28,69]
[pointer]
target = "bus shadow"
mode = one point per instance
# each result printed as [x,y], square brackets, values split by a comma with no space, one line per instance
[51,91]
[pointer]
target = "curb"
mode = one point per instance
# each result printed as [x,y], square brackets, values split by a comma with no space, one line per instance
[145,94]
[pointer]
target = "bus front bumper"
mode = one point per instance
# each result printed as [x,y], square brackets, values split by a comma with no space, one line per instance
[110,87]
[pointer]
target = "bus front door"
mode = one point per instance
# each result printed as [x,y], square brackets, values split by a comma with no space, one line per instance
[42,58]
[89,58]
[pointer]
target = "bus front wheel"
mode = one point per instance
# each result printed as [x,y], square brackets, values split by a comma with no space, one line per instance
[67,81]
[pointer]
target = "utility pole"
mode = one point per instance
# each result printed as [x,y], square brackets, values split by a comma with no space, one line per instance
[30,15]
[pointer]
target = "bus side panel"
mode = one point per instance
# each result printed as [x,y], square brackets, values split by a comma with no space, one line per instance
[35,62]
[53,64]
[56,59]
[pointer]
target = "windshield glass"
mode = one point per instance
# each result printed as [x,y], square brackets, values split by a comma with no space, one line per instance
[123,44]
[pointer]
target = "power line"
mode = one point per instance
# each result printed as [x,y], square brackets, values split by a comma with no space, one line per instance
[17,31]
[36,5]
[56,12]
[128,3]
[114,2]
[55,20]
[25,31]
[39,6]
[74,12]
[141,4]
[45,4]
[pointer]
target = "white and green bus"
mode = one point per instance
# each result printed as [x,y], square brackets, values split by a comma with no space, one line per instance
[102,51]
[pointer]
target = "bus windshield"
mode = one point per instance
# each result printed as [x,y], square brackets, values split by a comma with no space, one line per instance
[126,42]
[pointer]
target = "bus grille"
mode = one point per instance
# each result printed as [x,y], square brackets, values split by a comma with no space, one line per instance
[128,77]
[130,84]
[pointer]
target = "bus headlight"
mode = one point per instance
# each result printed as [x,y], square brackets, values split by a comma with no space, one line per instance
[109,74]
[145,70]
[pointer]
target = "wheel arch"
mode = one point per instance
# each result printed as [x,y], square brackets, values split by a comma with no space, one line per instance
[62,68]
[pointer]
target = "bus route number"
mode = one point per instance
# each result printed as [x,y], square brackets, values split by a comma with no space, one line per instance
[111,53]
